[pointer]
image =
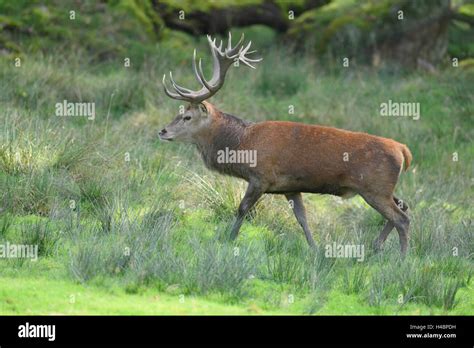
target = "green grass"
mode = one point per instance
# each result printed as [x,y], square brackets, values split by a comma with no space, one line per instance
[46,297]
[41,296]
[129,223]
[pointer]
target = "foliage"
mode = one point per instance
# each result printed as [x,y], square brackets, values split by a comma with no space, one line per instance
[149,223]
[124,219]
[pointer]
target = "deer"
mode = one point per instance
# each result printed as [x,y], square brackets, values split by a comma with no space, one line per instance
[292,157]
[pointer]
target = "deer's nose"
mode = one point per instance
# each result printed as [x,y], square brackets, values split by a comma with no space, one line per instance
[163,131]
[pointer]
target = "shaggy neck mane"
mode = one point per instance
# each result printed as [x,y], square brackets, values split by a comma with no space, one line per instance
[225,132]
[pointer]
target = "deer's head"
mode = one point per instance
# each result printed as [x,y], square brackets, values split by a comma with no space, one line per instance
[198,116]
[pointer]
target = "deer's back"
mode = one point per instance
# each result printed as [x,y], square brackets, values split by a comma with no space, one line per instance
[312,158]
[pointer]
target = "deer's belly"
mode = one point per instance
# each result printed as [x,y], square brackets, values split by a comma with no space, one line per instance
[301,184]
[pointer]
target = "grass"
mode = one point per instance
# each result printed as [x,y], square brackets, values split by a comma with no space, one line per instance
[42,296]
[46,297]
[130,224]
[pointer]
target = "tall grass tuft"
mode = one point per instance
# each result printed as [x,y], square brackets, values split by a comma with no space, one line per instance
[40,234]
[354,280]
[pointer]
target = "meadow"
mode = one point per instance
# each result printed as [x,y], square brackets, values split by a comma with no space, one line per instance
[127,224]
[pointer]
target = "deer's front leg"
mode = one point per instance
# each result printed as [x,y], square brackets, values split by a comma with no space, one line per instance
[300,213]
[253,193]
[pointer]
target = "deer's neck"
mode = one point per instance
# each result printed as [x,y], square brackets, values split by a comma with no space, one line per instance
[225,135]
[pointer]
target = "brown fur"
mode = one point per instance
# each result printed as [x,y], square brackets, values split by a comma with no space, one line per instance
[306,158]
[294,157]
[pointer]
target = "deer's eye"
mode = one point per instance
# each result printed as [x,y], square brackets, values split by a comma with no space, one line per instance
[186,118]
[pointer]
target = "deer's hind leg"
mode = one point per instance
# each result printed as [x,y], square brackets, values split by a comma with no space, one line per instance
[396,216]
[378,243]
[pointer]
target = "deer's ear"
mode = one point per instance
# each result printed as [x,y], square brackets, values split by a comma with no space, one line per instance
[203,108]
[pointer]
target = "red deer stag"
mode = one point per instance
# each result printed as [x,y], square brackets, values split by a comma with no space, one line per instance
[292,157]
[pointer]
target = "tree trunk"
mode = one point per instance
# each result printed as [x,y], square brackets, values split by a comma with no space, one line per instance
[221,20]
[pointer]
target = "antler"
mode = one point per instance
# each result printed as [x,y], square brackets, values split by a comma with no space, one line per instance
[222,60]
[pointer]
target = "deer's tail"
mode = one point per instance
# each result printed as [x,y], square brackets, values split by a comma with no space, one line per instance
[407,156]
